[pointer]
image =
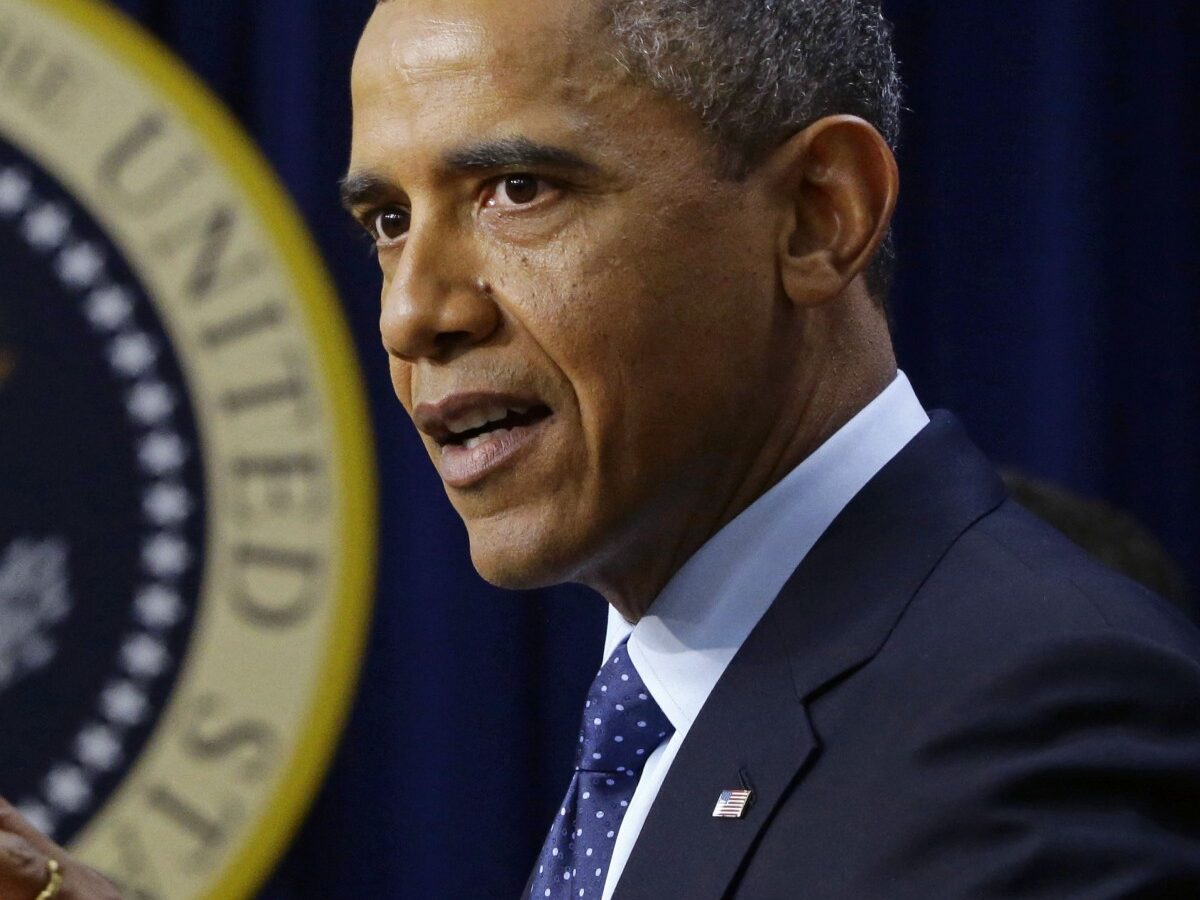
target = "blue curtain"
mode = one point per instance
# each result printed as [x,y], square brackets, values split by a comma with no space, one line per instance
[1047,293]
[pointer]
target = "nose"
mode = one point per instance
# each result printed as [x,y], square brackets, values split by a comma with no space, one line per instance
[435,305]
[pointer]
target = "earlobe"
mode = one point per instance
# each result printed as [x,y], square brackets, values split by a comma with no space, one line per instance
[841,182]
[811,277]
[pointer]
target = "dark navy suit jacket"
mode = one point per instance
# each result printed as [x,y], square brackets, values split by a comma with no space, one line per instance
[947,700]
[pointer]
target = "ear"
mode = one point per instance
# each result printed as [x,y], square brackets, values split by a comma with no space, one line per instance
[840,181]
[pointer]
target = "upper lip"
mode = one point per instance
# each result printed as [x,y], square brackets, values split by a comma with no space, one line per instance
[464,411]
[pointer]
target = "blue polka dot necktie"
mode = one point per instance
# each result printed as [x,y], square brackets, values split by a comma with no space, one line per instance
[622,725]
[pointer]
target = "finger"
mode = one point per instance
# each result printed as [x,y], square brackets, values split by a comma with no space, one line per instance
[25,855]
[13,821]
[24,870]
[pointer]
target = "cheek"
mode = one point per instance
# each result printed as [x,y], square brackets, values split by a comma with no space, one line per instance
[669,376]
[647,317]
[652,321]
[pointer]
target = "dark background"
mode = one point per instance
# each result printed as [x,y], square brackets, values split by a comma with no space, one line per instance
[1047,293]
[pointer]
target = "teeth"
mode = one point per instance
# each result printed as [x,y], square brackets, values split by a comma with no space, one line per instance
[468,422]
[480,439]
[478,419]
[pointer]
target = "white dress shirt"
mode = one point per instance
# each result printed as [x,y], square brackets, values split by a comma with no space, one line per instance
[697,624]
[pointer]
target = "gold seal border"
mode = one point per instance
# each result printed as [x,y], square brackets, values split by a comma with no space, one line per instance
[354,466]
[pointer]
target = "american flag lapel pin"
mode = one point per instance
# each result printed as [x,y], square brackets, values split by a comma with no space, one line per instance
[732,804]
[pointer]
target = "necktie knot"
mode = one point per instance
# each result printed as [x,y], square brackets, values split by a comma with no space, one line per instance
[622,723]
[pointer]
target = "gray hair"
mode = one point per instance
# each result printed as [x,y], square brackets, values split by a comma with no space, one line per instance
[758,71]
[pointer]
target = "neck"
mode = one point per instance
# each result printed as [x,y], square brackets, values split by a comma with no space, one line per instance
[831,381]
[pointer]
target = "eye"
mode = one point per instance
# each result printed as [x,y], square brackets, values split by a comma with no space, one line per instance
[517,190]
[389,224]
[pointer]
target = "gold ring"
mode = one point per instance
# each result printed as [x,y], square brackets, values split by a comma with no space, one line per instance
[55,882]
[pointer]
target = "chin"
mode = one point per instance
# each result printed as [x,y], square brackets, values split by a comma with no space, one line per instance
[513,571]
[520,559]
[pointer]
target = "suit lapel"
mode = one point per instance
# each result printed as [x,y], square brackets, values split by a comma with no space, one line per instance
[832,616]
[682,850]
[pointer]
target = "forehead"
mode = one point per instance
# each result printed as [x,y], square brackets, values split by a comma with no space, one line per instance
[437,69]
[413,36]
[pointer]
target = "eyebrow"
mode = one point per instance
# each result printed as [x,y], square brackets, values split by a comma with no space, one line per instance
[505,153]
[364,188]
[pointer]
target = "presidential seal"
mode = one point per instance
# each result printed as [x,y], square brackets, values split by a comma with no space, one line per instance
[186,499]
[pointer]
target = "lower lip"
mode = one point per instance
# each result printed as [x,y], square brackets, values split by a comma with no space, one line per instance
[461,468]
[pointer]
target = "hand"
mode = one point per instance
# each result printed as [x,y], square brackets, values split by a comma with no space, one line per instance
[25,854]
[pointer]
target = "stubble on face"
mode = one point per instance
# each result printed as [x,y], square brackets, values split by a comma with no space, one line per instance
[638,303]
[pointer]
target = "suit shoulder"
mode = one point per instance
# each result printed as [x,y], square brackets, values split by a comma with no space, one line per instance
[1015,576]
[1030,726]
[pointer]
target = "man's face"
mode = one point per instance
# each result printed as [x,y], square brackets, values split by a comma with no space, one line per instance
[578,311]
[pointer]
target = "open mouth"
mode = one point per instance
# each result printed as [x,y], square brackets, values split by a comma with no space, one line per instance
[482,426]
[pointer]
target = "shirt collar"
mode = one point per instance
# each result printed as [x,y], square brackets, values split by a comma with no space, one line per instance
[697,624]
